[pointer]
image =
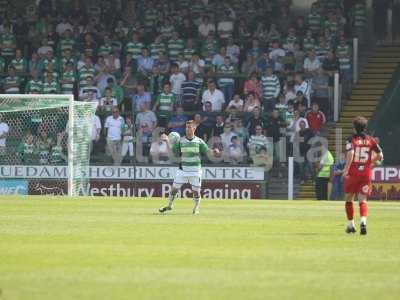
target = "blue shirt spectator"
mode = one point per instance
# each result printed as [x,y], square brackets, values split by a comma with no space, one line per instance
[140,98]
[177,123]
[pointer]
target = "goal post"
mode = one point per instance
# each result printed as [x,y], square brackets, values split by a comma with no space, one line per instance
[48,131]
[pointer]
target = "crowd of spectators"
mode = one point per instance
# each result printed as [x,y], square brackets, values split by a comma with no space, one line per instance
[249,72]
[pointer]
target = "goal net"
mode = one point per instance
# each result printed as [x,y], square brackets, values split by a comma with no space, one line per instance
[44,143]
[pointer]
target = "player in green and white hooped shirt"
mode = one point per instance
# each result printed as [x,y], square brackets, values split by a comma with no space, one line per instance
[189,149]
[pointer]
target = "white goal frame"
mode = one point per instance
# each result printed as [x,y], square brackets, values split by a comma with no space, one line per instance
[70,97]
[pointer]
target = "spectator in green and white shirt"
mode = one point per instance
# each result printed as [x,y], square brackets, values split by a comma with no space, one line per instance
[12,82]
[270,88]
[165,104]
[7,43]
[50,85]
[175,46]
[134,47]
[35,84]
[227,84]
[68,79]
[19,63]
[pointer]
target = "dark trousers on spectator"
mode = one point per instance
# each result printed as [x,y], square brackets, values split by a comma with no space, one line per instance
[321,188]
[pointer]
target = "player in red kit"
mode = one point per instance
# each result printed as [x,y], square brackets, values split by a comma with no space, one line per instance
[362,153]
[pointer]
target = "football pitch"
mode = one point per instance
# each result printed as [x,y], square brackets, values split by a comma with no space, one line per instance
[113,248]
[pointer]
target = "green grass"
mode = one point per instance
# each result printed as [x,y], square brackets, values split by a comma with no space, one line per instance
[121,249]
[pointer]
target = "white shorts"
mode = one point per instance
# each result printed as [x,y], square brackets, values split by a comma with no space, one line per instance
[193,178]
[127,147]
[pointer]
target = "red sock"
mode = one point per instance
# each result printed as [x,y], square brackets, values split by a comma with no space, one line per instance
[350,210]
[363,209]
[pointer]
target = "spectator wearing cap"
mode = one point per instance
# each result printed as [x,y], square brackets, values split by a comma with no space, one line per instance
[213,95]
[271,88]
[316,118]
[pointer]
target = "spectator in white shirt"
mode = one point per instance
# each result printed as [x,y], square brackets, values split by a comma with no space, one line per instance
[276,54]
[213,95]
[302,86]
[225,27]
[311,64]
[4,129]
[176,79]
[235,105]
[159,151]
[63,26]
[113,125]
[226,136]
[205,28]
[233,51]
[96,129]
[235,151]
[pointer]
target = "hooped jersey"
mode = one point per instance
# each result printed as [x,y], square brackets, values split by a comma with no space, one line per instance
[363,145]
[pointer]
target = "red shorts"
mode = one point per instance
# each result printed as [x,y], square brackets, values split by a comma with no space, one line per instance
[357,185]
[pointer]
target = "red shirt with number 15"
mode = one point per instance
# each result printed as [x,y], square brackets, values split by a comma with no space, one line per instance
[363,146]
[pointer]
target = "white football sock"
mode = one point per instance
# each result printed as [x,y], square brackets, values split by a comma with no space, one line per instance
[364,220]
[351,223]
[196,201]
